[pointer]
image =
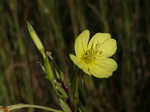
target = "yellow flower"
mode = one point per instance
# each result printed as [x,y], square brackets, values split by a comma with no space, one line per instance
[93,56]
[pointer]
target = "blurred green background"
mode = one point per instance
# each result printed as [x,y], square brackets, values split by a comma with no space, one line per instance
[58,22]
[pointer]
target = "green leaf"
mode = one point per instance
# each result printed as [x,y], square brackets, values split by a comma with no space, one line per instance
[64,106]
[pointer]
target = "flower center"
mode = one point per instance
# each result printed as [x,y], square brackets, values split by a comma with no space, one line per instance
[88,56]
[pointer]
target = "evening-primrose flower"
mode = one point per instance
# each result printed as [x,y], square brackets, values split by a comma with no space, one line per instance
[93,56]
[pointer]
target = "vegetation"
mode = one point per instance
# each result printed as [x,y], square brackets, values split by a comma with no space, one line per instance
[57,23]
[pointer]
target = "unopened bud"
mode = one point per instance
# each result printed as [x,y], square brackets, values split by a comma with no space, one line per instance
[35,38]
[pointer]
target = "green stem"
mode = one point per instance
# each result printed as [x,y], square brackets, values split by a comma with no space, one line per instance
[76,95]
[48,69]
[20,106]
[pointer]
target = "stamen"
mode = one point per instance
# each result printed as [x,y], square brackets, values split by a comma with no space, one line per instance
[88,56]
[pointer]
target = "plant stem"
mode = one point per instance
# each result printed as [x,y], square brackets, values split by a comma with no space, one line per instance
[20,106]
[76,95]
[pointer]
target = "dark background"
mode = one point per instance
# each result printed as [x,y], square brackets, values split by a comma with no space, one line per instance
[58,22]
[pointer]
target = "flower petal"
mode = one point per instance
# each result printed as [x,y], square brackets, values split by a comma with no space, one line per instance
[80,64]
[81,43]
[103,67]
[98,39]
[108,48]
